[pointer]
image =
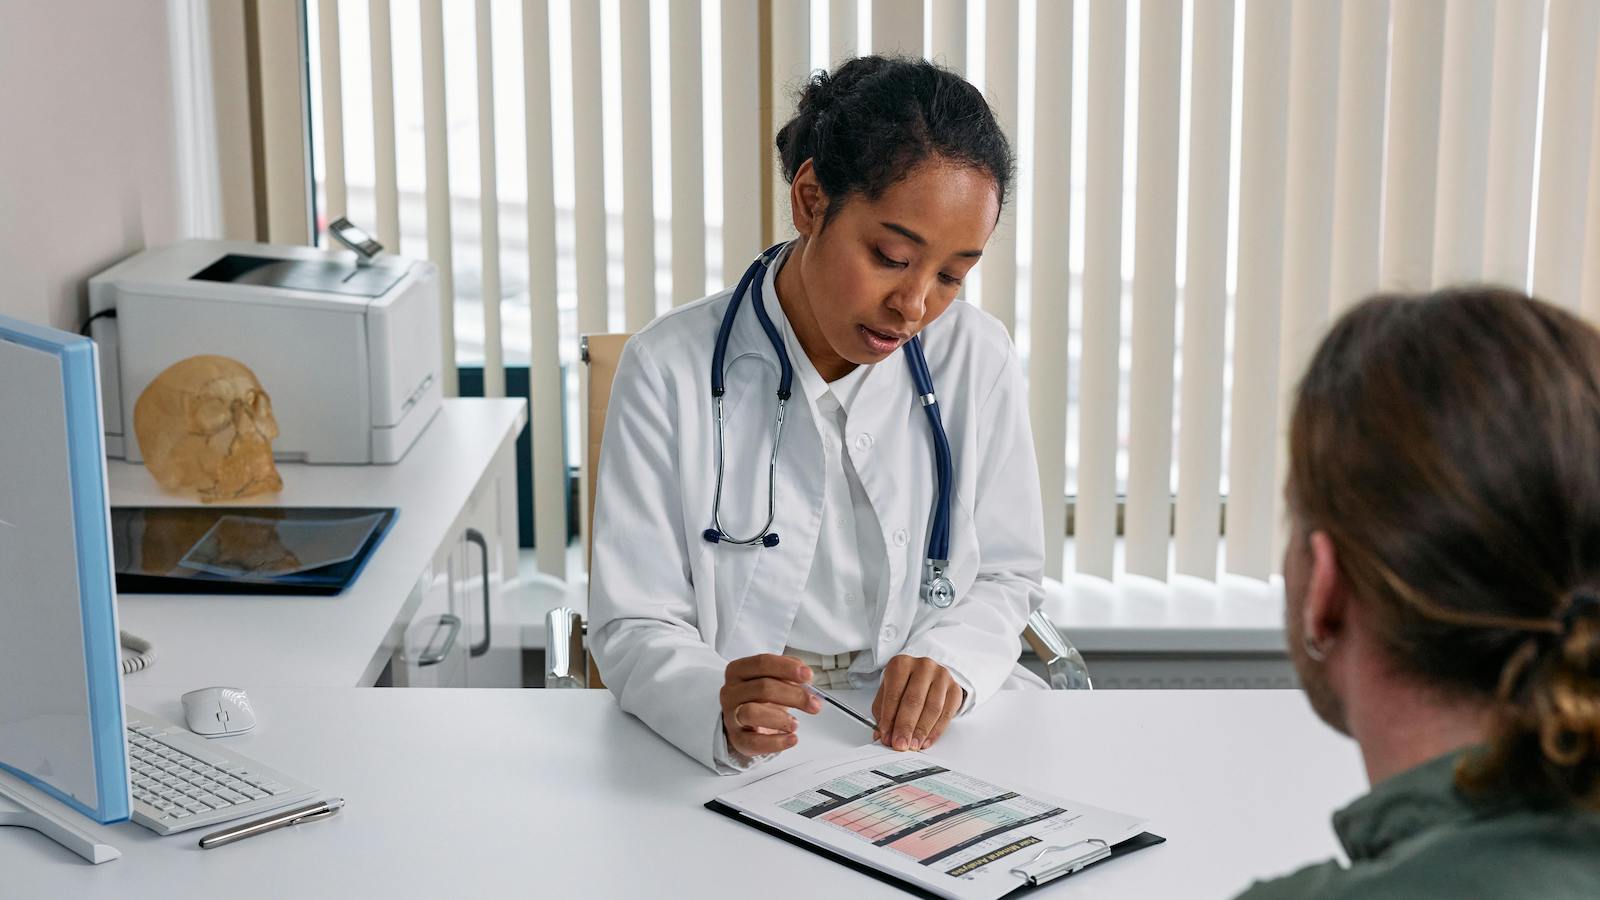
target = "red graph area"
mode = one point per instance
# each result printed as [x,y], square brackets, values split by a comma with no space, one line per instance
[936,839]
[883,814]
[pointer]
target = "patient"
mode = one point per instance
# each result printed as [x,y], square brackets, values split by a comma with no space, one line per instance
[1443,594]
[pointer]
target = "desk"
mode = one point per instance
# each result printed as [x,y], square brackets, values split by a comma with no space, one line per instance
[484,793]
[465,455]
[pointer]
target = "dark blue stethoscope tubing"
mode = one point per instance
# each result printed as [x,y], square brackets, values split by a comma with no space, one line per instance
[725,330]
[786,375]
[755,274]
[922,377]
[939,543]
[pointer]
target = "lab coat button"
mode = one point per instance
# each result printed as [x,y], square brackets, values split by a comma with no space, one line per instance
[900,538]
[889,631]
[863,441]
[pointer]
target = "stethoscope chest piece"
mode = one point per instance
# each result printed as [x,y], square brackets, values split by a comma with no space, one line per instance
[937,591]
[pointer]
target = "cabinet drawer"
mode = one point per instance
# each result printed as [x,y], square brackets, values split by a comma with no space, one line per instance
[433,651]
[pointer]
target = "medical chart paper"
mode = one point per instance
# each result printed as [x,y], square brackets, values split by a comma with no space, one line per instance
[910,816]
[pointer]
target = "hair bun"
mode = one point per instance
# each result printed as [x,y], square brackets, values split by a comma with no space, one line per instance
[819,94]
[870,121]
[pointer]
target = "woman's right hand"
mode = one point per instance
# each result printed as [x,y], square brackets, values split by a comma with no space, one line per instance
[757,694]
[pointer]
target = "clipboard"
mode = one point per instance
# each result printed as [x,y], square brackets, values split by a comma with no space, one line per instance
[1042,869]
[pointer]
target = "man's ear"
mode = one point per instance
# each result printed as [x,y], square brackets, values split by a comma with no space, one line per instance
[1327,596]
[807,202]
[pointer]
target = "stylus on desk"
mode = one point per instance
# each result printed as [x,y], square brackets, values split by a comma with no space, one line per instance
[300,814]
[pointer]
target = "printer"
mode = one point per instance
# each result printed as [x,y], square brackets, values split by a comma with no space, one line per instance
[348,352]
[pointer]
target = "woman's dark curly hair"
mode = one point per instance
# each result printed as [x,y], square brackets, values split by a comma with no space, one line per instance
[867,125]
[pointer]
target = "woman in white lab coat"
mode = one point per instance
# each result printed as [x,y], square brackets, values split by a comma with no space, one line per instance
[898,174]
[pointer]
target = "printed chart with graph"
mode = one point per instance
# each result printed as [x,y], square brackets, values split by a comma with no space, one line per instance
[930,814]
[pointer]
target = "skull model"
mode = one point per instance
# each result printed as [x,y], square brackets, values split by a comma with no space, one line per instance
[206,425]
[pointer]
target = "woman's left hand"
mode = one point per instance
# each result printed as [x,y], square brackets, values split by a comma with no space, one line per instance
[917,699]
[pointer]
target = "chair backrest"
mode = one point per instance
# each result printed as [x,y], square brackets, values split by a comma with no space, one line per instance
[601,353]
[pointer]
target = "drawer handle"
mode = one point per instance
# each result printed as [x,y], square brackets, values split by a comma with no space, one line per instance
[431,657]
[476,537]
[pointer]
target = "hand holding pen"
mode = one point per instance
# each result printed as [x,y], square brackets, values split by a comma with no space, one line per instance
[757,694]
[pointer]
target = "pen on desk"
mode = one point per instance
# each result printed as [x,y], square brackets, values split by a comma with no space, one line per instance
[308,813]
[825,697]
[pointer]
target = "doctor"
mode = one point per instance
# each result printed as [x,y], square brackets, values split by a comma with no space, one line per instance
[788,494]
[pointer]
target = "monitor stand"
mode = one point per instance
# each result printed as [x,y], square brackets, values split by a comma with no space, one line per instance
[16,808]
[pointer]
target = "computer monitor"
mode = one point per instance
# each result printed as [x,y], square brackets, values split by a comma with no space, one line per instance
[62,743]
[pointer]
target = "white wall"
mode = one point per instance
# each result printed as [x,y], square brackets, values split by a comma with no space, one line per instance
[88,171]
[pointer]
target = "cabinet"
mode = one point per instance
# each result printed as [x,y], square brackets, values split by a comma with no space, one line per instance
[459,478]
[458,636]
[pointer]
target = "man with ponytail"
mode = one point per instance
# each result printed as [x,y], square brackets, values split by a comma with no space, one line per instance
[1443,594]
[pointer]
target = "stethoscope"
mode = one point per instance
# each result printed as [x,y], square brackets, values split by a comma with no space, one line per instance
[937,590]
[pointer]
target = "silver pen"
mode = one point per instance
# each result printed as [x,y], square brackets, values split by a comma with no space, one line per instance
[308,813]
[840,705]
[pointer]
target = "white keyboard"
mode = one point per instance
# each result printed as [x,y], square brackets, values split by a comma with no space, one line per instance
[182,781]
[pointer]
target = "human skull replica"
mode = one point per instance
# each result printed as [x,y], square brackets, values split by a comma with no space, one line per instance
[206,425]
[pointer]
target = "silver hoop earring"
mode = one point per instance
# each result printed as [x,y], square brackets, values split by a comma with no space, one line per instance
[1315,651]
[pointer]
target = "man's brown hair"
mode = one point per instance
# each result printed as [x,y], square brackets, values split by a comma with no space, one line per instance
[1449,446]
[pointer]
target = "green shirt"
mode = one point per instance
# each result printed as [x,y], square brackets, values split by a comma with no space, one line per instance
[1416,836]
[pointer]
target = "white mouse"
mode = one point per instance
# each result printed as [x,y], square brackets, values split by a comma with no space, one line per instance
[218,711]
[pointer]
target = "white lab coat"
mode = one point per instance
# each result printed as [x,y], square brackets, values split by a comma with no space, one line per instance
[669,610]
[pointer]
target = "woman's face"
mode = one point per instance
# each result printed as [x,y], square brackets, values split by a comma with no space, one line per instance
[883,269]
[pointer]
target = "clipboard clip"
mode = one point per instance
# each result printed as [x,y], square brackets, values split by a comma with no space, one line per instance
[1080,855]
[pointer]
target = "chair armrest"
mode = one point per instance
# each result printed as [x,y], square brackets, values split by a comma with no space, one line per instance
[1062,661]
[565,660]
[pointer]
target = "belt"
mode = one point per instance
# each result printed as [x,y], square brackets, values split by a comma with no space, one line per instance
[830,672]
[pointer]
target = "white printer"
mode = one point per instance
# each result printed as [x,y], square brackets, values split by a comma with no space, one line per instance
[349,353]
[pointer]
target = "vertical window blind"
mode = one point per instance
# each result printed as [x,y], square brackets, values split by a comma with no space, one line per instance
[1202,185]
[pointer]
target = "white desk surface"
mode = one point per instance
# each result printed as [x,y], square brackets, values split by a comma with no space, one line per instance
[494,793]
[345,640]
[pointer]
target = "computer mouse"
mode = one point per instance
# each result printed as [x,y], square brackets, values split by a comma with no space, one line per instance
[218,711]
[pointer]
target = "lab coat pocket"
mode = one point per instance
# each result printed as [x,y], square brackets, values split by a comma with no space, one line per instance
[735,567]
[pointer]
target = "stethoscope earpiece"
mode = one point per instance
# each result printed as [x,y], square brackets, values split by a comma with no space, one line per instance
[713,536]
[937,590]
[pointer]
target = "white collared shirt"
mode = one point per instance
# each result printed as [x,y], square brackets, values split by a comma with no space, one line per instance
[843,591]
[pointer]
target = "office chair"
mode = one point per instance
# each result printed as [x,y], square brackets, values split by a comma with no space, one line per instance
[567,661]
